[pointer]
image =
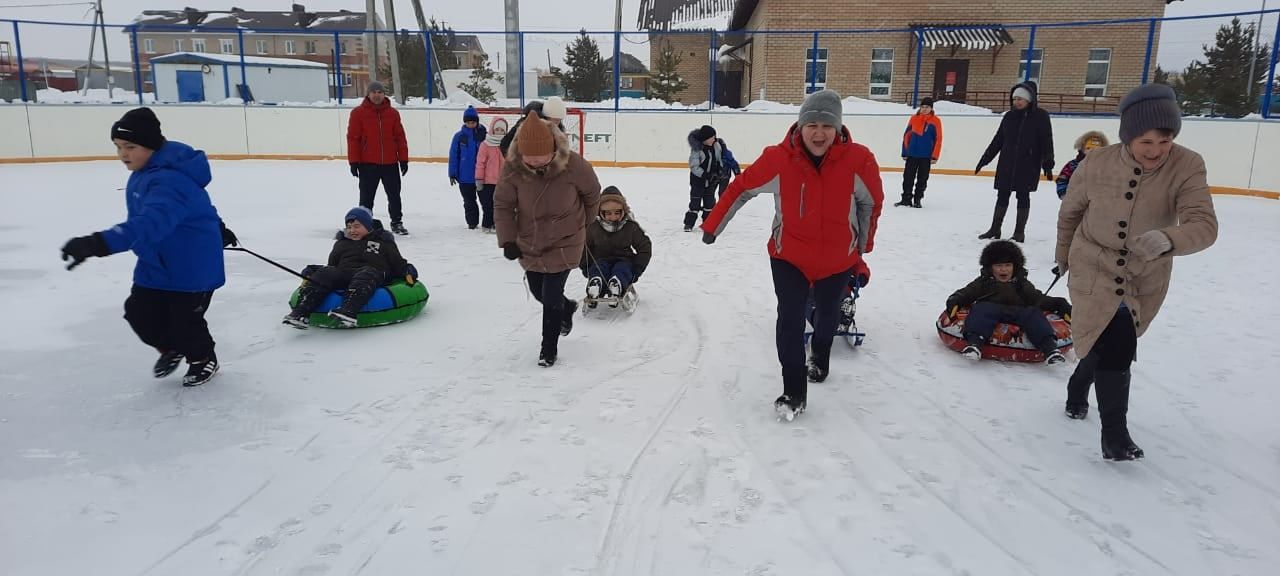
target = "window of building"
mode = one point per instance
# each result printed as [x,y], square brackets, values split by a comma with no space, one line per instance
[1037,65]
[149,46]
[881,72]
[228,46]
[815,77]
[177,45]
[346,78]
[310,46]
[627,82]
[290,47]
[262,46]
[1099,70]
[197,44]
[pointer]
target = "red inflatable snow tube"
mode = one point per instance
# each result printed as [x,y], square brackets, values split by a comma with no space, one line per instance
[1007,342]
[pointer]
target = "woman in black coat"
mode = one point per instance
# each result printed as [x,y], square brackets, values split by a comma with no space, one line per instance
[1025,145]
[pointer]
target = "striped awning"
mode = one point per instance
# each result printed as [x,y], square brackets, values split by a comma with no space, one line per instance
[977,37]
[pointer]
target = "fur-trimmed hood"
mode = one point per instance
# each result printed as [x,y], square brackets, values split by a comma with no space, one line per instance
[1089,135]
[558,164]
[1002,252]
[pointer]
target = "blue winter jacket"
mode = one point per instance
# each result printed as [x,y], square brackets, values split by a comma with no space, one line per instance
[730,163]
[172,225]
[462,153]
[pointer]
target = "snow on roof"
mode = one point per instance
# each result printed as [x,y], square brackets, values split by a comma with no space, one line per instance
[717,22]
[235,59]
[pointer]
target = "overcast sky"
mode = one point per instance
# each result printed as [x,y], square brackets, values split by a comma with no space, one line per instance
[1180,41]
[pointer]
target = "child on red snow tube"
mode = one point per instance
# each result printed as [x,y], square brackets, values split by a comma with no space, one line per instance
[1003,294]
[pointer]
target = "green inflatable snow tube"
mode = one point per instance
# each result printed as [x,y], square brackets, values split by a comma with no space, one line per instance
[395,302]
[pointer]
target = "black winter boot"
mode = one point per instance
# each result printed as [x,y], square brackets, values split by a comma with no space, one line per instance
[566,321]
[1113,409]
[1019,231]
[1077,406]
[997,220]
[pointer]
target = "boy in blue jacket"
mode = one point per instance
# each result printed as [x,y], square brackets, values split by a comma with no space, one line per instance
[462,163]
[174,229]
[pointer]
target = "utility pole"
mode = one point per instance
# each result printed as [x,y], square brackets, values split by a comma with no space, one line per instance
[371,38]
[436,76]
[111,80]
[1253,59]
[395,53]
[515,75]
[617,17]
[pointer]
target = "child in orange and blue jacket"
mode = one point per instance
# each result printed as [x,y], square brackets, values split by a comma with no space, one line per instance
[921,146]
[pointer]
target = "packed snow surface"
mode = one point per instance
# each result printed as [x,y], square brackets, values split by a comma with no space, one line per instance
[438,446]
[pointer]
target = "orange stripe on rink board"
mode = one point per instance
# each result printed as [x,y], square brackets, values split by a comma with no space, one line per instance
[1221,190]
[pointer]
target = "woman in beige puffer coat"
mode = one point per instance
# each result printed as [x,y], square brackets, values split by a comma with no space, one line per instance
[1130,208]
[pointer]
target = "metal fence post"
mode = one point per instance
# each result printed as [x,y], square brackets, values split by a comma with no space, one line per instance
[915,92]
[711,85]
[813,65]
[1031,48]
[1151,41]
[244,70]
[337,66]
[431,74]
[521,69]
[617,70]
[137,66]
[1269,97]
[22,68]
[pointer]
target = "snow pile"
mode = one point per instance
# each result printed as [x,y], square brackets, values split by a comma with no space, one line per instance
[92,96]
[438,446]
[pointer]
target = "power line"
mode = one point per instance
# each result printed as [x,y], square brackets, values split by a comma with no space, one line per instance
[46,5]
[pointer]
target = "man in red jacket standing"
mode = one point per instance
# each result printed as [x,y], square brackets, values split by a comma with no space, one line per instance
[828,200]
[375,146]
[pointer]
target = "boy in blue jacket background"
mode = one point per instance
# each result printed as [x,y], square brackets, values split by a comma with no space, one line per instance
[462,163]
[174,229]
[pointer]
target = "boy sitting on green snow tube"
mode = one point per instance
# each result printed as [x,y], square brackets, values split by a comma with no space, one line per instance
[363,258]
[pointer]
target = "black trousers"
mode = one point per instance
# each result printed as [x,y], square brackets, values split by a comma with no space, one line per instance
[548,289]
[486,205]
[702,197]
[171,321]
[359,284]
[389,176]
[470,208]
[984,316]
[916,175]
[793,291]
[1118,345]
[1024,199]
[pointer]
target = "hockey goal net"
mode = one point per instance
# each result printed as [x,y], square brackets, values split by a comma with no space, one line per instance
[574,123]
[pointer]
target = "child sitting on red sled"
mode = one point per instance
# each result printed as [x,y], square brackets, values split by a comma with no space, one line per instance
[1002,293]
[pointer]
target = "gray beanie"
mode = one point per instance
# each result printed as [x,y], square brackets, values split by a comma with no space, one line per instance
[1149,107]
[822,107]
[375,86]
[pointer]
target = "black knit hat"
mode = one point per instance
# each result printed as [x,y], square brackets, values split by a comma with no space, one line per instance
[705,132]
[139,126]
[1003,252]
[927,102]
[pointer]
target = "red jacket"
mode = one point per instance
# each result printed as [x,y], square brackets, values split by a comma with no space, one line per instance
[375,135]
[825,220]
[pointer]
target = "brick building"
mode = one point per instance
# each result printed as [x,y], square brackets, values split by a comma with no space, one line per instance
[298,34]
[1078,68]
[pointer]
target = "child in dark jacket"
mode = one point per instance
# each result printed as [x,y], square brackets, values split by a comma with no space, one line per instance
[706,170]
[462,163]
[364,257]
[921,147]
[174,229]
[731,169]
[1002,293]
[618,250]
[1086,142]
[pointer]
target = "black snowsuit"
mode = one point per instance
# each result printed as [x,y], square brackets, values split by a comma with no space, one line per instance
[357,266]
[1024,142]
[706,170]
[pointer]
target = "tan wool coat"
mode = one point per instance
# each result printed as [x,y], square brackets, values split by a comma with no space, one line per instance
[1110,202]
[546,214]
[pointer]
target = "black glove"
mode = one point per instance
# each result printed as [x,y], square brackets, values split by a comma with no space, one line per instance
[410,274]
[510,251]
[404,168]
[310,270]
[81,248]
[355,170]
[228,237]
[708,238]
[1048,174]
[861,280]
[453,181]
[977,170]
[1055,270]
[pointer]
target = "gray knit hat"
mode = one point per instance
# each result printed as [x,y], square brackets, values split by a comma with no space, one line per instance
[1149,107]
[822,107]
[375,86]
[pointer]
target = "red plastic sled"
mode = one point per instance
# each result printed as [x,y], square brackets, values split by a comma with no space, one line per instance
[1007,342]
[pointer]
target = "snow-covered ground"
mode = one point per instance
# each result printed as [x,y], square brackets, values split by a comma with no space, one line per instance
[437,446]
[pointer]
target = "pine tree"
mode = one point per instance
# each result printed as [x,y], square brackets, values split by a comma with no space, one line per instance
[667,82]
[413,69]
[1161,77]
[441,40]
[1218,86]
[586,78]
[478,83]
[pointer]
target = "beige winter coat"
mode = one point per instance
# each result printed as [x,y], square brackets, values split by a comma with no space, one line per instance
[1109,204]
[547,214]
